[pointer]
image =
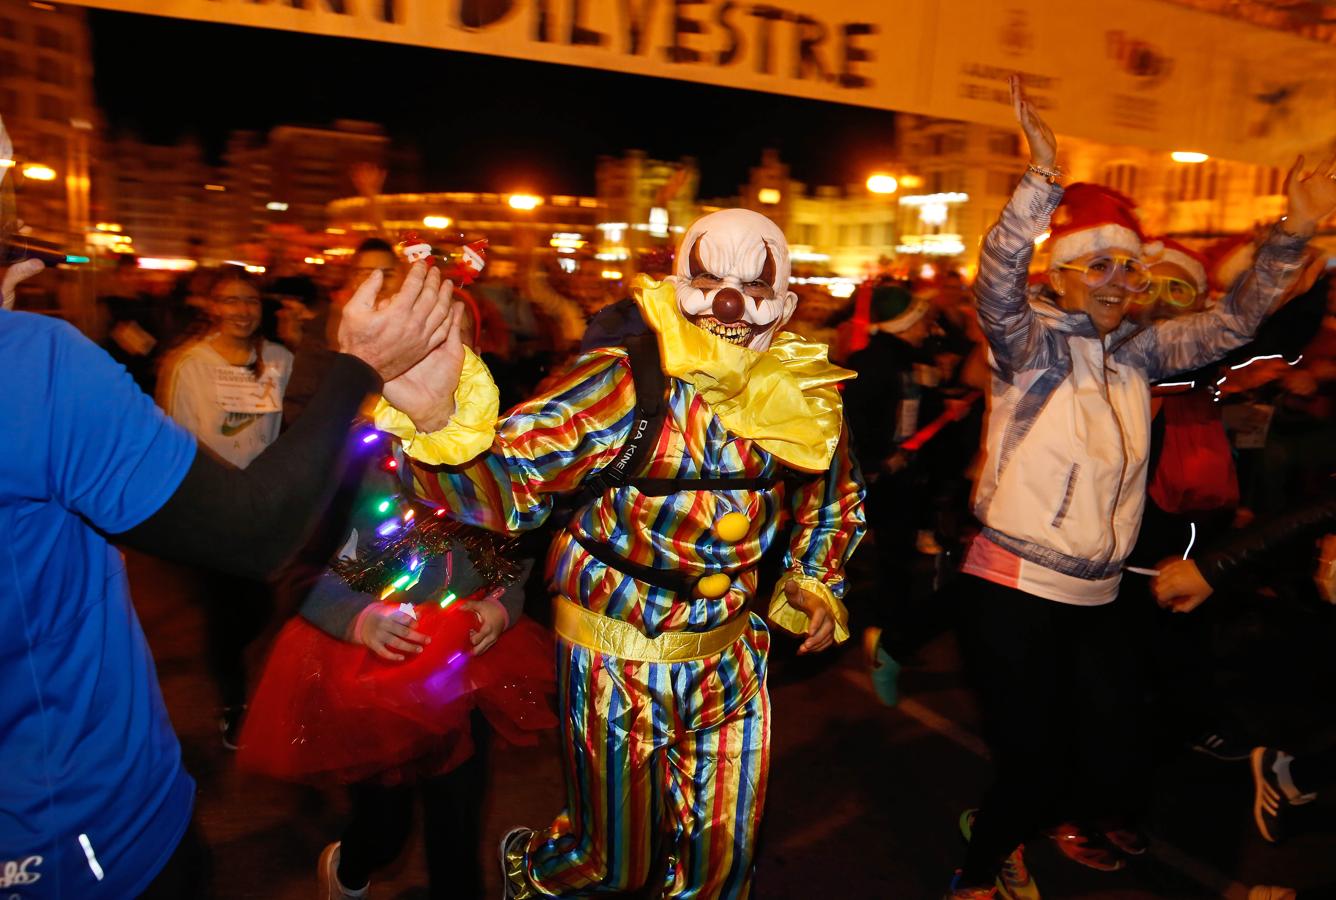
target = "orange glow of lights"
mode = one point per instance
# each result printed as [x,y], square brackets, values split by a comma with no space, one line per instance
[882,184]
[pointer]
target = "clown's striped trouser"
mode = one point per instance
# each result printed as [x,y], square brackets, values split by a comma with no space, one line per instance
[665,767]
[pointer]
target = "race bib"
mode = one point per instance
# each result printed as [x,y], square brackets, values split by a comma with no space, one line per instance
[241,392]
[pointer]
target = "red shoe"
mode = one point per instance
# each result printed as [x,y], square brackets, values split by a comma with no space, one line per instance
[1089,849]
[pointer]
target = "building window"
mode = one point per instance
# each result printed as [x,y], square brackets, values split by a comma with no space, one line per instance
[1004,145]
[1001,184]
[1267,182]
[50,39]
[1197,182]
[9,29]
[50,71]
[1122,177]
[51,108]
[868,240]
[954,143]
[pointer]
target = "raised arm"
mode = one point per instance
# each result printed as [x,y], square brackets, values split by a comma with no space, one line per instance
[1001,288]
[1189,342]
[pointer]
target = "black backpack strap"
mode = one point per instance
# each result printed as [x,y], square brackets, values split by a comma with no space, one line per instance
[651,385]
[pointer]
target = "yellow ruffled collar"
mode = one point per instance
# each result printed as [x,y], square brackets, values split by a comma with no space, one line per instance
[785,399]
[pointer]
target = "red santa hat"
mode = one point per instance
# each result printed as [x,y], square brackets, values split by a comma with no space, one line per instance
[1090,218]
[1228,258]
[1168,250]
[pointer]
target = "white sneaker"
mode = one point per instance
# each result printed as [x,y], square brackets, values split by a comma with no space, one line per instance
[327,872]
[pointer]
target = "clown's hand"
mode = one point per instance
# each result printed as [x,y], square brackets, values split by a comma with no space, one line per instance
[15,275]
[820,623]
[1312,197]
[1180,586]
[426,392]
[1043,145]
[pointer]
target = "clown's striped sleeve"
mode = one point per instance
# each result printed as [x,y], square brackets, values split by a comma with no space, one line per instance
[828,521]
[543,447]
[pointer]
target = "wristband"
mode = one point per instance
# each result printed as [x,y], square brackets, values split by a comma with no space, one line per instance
[1052,176]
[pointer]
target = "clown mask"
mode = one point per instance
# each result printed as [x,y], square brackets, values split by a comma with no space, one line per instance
[732,277]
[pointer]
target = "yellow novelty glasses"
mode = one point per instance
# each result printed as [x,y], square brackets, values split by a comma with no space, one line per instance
[1101,270]
[1174,291]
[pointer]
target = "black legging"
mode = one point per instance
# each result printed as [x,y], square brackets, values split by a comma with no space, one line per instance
[236,612]
[382,817]
[1051,681]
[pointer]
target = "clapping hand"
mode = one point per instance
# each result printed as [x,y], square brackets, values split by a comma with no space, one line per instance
[397,335]
[426,392]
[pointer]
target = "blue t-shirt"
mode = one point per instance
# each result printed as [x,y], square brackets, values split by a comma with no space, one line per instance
[93,797]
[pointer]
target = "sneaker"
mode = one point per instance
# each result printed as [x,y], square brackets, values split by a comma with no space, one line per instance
[1014,881]
[954,892]
[1270,801]
[1132,841]
[882,667]
[229,723]
[1090,849]
[515,883]
[327,871]
[1222,746]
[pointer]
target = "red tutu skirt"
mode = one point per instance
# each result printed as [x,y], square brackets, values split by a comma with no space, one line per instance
[330,711]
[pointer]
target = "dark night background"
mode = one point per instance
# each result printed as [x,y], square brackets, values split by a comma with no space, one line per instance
[482,123]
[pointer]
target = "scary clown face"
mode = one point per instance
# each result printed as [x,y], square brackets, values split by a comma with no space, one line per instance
[732,277]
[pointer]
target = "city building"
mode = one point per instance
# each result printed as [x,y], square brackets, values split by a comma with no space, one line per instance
[46,98]
[518,227]
[157,201]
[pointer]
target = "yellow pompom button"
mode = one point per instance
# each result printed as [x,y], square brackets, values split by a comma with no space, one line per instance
[712,587]
[732,527]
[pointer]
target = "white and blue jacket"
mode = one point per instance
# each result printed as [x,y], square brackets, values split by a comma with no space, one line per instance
[1062,487]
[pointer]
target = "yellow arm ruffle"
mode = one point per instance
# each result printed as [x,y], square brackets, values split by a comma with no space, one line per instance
[785,399]
[794,620]
[468,433]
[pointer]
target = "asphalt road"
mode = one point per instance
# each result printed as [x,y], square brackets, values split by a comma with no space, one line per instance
[863,799]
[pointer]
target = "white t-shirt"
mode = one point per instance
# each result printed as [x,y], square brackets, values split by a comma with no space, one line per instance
[230,411]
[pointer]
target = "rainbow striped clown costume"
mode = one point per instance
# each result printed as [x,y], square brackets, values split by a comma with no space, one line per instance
[660,663]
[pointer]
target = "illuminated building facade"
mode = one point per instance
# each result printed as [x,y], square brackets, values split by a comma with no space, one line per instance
[46,98]
[517,226]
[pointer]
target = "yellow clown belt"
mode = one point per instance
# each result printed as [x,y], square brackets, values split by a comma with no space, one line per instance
[577,625]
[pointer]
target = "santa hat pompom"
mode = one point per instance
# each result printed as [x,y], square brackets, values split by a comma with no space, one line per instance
[1168,250]
[1091,218]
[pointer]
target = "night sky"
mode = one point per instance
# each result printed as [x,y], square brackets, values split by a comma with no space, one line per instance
[489,123]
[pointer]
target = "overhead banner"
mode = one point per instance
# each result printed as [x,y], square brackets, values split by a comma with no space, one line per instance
[1140,72]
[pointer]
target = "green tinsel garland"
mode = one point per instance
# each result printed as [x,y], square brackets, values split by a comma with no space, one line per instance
[430,536]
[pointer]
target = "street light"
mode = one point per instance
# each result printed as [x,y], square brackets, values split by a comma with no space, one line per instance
[525,201]
[882,184]
[39,172]
[441,222]
[768,196]
[1188,156]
